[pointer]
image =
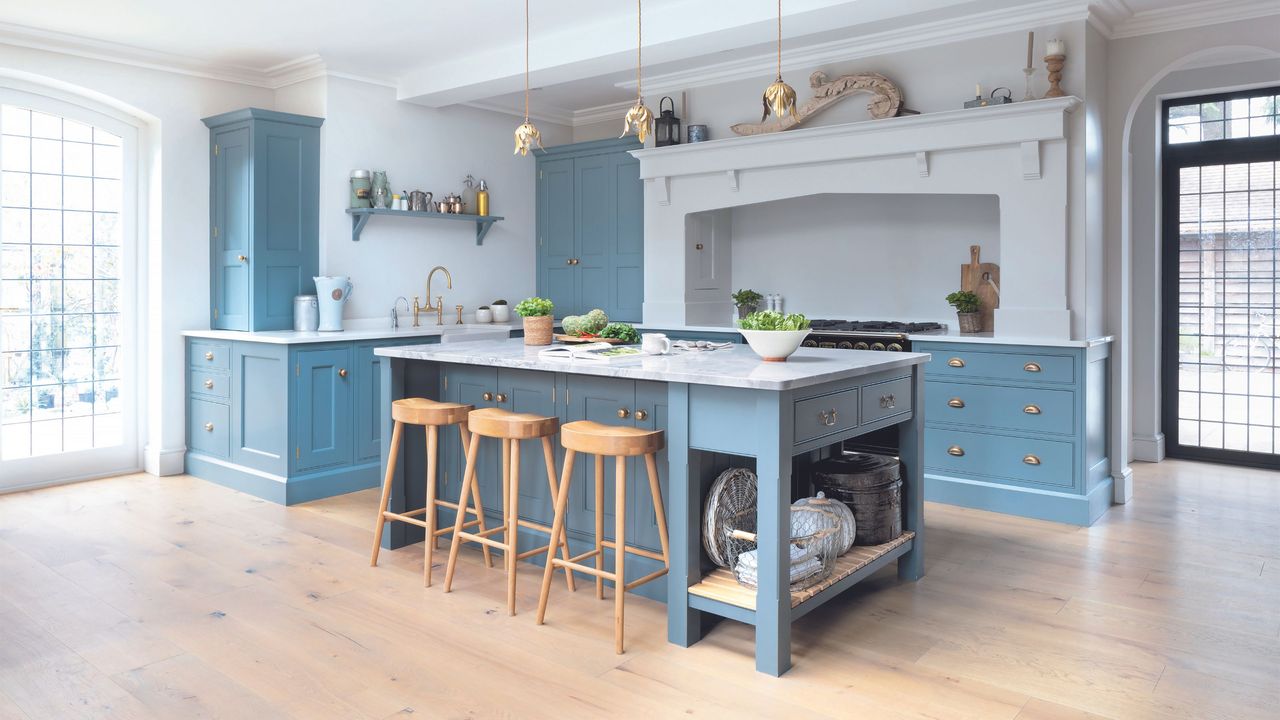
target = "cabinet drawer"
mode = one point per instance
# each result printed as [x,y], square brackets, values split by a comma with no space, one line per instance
[208,423]
[825,414]
[882,400]
[209,384]
[1019,366]
[1041,462]
[208,354]
[1009,408]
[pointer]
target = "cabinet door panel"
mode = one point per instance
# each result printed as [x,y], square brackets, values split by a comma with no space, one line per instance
[231,231]
[323,411]
[368,402]
[627,275]
[259,404]
[557,279]
[595,230]
[652,399]
[598,399]
[467,384]
[533,392]
[286,231]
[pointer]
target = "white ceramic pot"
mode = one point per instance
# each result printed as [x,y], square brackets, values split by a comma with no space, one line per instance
[484,315]
[501,313]
[774,345]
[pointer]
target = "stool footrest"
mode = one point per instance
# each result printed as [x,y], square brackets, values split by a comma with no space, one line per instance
[486,533]
[441,532]
[636,551]
[561,563]
[647,578]
[477,538]
[585,555]
[534,525]
[404,518]
[534,551]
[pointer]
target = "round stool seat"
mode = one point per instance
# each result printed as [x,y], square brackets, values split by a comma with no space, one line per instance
[499,423]
[421,411]
[595,438]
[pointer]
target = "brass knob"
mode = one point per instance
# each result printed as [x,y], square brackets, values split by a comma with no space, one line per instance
[208,427]
[577,260]
[487,396]
[1031,367]
[955,450]
[208,384]
[641,415]
[1031,409]
[624,413]
[342,372]
[955,362]
[502,397]
[208,356]
[1031,460]
[242,258]
[955,403]
[569,261]
[698,246]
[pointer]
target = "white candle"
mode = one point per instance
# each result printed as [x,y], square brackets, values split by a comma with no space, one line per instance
[1055,47]
[977,90]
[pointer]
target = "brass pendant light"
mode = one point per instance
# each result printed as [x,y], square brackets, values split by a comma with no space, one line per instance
[779,97]
[527,135]
[639,119]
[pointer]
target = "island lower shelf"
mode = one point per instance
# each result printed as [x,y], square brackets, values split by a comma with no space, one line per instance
[720,585]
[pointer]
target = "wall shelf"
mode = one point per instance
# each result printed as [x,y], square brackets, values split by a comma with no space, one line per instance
[360,218]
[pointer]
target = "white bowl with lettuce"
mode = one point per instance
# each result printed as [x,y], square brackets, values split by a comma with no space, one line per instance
[772,335]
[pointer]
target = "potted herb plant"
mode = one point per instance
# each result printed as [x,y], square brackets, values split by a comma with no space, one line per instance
[967,305]
[536,312]
[772,335]
[747,302]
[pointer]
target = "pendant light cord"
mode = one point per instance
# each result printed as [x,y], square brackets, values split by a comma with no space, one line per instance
[639,44]
[779,39]
[526,59]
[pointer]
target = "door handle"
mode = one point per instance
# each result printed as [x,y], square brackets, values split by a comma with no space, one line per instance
[342,372]
[955,362]
[502,397]
[1031,460]
[208,384]
[208,427]
[642,415]
[956,451]
[624,413]
[828,417]
[955,403]
[242,258]
[487,396]
[1031,367]
[888,401]
[1031,409]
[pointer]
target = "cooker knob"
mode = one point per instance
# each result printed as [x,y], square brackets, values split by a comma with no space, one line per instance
[860,346]
[895,347]
[809,343]
[845,345]
[877,346]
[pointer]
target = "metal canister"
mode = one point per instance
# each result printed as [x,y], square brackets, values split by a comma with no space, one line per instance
[361,189]
[306,313]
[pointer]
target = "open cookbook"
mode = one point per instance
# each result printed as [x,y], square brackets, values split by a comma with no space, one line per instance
[590,352]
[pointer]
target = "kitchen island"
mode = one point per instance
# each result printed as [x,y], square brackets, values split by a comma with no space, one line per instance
[719,409]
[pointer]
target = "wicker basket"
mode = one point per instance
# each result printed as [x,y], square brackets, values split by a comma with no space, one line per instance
[871,485]
[815,543]
[537,330]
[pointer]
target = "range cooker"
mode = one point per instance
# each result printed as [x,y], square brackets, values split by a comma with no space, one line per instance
[885,335]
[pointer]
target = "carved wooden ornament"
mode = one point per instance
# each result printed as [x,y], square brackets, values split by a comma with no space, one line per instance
[885,104]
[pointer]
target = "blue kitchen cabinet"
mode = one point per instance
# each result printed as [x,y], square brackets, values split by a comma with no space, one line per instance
[323,409]
[1018,429]
[264,199]
[591,229]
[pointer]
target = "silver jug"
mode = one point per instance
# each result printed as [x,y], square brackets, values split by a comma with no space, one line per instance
[420,201]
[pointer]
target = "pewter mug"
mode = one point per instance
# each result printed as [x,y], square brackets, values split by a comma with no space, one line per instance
[419,201]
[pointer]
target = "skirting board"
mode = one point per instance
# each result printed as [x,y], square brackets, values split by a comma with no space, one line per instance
[161,462]
[1149,448]
[298,489]
[1027,502]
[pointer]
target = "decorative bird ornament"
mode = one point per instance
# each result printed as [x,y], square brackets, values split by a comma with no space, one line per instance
[779,98]
[639,120]
[526,137]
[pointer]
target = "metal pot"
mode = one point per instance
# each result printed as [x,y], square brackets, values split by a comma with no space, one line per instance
[420,201]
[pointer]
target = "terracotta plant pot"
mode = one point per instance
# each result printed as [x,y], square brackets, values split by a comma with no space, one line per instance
[537,330]
[970,322]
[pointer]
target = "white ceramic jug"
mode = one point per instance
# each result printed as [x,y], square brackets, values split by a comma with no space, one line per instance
[332,293]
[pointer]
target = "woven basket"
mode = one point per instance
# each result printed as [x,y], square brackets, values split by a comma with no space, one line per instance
[537,330]
[815,543]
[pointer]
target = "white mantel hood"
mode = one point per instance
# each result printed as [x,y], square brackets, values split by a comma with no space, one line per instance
[1016,152]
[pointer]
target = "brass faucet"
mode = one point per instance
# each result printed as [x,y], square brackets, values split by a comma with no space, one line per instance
[438,308]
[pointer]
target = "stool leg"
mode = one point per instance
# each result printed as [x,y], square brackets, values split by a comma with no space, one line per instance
[475,494]
[429,543]
[557,526]
[392,456]
[513,527]
[548,455]
[599,525]
[620,552]
[468,480]
[659,512]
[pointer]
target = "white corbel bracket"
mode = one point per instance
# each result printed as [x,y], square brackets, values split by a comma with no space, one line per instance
[662,189]
[1031,160]
[922,163]
[733,180]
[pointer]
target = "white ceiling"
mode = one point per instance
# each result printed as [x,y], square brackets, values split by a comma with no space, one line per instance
[583,51]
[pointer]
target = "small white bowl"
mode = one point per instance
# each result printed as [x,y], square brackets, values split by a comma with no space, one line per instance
[774,345]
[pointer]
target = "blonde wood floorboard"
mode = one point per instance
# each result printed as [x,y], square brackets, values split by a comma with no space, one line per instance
[171,597]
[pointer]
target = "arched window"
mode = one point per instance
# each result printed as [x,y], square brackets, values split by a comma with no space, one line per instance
[68,204]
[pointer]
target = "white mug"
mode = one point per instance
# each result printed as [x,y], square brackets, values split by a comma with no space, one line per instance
[655,343]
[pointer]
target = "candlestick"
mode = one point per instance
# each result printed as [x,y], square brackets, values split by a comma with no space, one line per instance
[1055,64]
[1031,41]
[1028,71]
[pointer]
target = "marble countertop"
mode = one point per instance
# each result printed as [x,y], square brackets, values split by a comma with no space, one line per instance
[992,339]
[360,330]
[736,366]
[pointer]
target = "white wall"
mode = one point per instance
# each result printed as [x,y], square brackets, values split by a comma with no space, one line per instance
[863,256]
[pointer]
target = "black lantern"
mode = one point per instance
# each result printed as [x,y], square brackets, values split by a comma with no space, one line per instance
[667,126]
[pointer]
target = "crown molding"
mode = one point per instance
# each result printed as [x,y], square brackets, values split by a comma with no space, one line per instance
[940,32]
[601,113]
[1193,15]
[558,116]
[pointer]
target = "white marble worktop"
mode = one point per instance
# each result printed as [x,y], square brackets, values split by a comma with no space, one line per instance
[993,339]
[736,366]
[362,330]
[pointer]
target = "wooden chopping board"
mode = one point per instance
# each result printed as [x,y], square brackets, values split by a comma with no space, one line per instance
[982,279]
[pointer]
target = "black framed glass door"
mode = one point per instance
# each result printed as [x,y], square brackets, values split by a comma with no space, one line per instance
[1221,277]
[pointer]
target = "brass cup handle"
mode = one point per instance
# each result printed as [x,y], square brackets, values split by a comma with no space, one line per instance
[956,451]
[1031,367]
[208,427]
[1031,460]
[624,413]
[828,417]
[642,415]
[888,401]
[208,356]
[956,362]
[1031,409]
[955,403]
[242,258]
[502,397]
[487,396]
[208,384]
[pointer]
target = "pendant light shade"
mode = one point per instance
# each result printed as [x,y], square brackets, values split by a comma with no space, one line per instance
[526,135]
[779,98]
[639,119]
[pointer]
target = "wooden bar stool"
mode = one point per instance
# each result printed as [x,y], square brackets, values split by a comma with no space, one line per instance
[621,442]
[511,428]
[433,415]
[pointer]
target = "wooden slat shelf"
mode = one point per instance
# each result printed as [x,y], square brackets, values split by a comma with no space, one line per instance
[360,218]
[721,586]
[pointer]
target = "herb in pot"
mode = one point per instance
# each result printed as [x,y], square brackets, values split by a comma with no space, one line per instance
[964,301]
[747,299]
[535,307]
[621,331]
[770,320]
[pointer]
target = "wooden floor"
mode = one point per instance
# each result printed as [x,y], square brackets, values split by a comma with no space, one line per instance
[174,598]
